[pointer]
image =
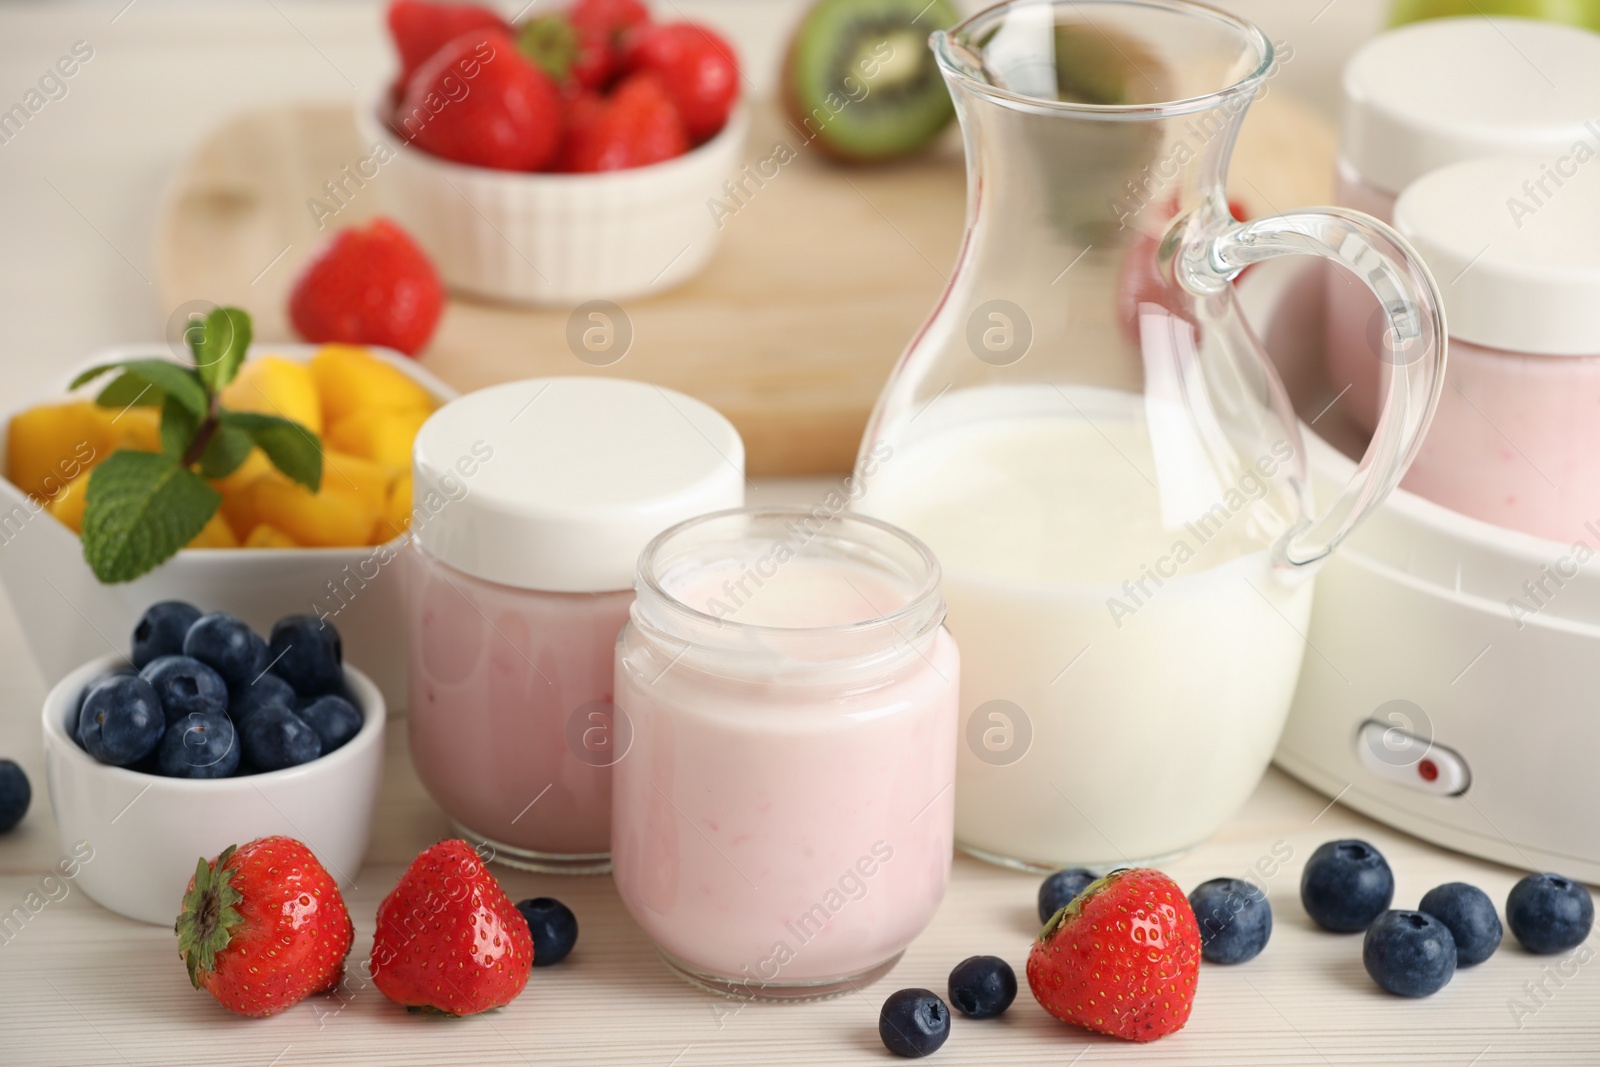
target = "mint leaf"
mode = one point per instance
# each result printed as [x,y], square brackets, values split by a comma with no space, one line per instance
[139,510]
[129,391]
[219,345]
[179,383]
[91,374]
[292,448]
[178,428]
[228,448]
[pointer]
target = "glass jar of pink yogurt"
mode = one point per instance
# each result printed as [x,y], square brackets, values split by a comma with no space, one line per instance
[532,502]
[782,826]
[1516,435]
[1434,93]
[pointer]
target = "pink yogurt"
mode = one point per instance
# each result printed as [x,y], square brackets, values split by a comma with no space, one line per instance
[782,825]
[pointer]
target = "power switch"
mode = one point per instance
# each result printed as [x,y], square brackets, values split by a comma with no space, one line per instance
[1397,756]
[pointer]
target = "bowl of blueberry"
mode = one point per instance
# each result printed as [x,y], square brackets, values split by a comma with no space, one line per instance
[208,733]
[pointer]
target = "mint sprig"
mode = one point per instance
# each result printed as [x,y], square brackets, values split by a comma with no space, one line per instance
[142,507]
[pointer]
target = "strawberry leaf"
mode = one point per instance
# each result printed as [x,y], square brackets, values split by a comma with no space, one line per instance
[129,391]
[219,345]
[140,509]
[292,448]
[228,448]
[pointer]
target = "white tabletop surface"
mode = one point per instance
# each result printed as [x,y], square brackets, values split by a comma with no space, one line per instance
[79,986]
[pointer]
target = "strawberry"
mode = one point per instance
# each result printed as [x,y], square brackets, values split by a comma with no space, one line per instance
[263,927]
[696,66]
[581,48]
[634,126]
[1121,959]
[449,939]
[420,29]
[368,285]
[480,101]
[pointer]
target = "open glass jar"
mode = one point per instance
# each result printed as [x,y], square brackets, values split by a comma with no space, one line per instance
[782,824]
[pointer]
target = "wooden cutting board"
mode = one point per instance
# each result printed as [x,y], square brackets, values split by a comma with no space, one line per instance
[821,279]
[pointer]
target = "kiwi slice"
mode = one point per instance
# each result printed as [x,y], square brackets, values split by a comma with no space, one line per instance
[859,81]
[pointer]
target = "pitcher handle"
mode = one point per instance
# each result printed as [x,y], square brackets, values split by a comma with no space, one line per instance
[1414,342]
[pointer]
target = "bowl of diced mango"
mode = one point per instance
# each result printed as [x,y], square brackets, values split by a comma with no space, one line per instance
[273,548]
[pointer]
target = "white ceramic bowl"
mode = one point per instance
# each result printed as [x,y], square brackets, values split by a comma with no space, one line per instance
[68,616]
[143,833]
[560,238]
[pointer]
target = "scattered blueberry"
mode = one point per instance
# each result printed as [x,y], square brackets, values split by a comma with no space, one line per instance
[161,629]
[554,929]
[274,738]
[185,687]
[1346,885]
[15,793]
[1409,953]
[121,721]
[335,720]
[1235,919]
[1057,891]
[267,689]
[913,1023]
[200,746]
[1469,914]
[983,986]
[307,653]
[224,643]
[1549,913]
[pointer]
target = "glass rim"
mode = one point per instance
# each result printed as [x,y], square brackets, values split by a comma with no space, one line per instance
[940,42]
[917,603]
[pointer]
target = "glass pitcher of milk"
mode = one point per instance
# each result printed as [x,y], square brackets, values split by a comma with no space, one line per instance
[1093,443]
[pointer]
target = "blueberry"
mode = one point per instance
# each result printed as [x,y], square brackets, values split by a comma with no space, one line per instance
[121,721]
[1549,913]
[1235,919]
[1058,890]
[200,746]
[14,795]
[554,929]
[267,689]
[913,1023]
[274,738]
[983,986]
[77,715]
[161,629]
[225,644]
[185,687]
[1346,885]
[307,653]
[1469,914]
[1409,953]
[335,720]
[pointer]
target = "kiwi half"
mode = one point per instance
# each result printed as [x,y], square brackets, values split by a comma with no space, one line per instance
[859,81]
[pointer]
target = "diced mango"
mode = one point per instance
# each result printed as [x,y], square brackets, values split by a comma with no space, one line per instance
[273,385]
[68,504]
[351,379]
[396,511]
[216,533]
[331,517]
[362,477]
[375,434]
[49,445]
[254,466]
[267,535]
[137,428]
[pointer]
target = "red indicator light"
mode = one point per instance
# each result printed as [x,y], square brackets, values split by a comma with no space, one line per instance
[1428,769]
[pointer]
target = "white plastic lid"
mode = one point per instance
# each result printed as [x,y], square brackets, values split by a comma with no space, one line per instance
[1519,268]
[1444,90]
[557,484]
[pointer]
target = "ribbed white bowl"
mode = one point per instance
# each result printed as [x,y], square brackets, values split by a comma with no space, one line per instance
[560,238]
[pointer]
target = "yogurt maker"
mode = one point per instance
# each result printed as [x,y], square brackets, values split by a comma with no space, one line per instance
[1451,684]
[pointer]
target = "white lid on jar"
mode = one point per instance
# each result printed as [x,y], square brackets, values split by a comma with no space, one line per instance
[1440,91]
[1518,266]
[557,484]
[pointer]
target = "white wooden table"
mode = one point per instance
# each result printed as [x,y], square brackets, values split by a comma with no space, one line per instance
[80,987]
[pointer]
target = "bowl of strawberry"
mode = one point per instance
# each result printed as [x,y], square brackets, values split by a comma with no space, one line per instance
[566,158]
[208,733]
